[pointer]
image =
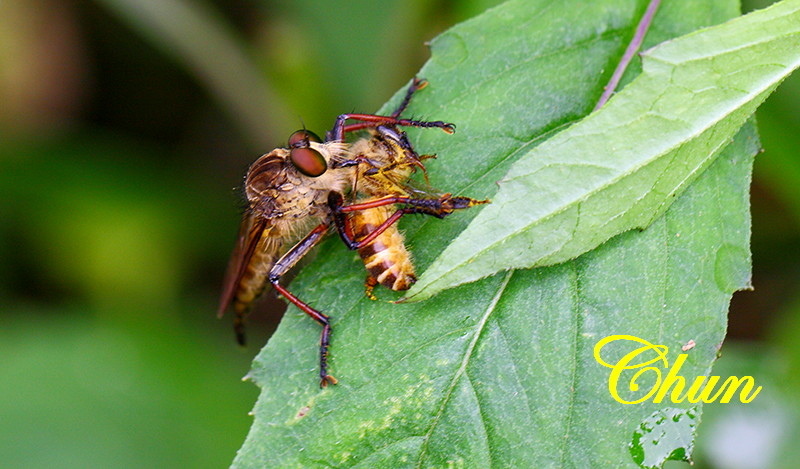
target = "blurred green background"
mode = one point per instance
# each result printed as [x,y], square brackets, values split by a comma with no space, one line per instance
[125,126]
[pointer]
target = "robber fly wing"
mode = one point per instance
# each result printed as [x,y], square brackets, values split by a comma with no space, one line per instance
[250,233]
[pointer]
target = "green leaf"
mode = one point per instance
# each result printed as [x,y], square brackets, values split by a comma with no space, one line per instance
[621,167]
[500,372]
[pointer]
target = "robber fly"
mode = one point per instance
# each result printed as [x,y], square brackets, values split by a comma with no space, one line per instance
[298,189]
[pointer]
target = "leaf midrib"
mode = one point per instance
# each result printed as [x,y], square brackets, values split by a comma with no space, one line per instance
[464,362]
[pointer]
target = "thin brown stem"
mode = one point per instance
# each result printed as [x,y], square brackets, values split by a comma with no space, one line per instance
[633,47]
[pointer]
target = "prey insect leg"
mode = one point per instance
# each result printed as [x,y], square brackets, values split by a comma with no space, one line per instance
[439,208]
[283,265]
[369,287]
[416,85]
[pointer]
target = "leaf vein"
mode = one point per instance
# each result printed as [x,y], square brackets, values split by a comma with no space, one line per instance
[574,378]
[467,355]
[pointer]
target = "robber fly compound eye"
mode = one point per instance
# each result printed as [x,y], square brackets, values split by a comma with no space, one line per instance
[308,161]
[300,138]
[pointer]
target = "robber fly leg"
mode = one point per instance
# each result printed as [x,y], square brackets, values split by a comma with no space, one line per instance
[283,265]
[439,208]
[345,232]
[371,120]
[325,337]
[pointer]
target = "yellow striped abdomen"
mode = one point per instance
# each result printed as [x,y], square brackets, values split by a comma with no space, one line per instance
[386,258]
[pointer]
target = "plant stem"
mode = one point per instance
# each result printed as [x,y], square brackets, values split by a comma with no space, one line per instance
[633,47]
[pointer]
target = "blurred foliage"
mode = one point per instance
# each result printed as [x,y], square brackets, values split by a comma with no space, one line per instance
[120,145]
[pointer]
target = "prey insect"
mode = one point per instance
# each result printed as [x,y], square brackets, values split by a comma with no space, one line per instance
[298,189]
[386,161]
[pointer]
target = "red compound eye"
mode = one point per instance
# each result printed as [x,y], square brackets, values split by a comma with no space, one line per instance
[301,138]
[308,161]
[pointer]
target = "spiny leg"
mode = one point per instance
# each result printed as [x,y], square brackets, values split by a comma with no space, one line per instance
[325,337]
[416,85]
[283,265]
[370,120]
[439,208]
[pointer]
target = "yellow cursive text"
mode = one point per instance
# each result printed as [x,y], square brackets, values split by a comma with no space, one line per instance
[644,358]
